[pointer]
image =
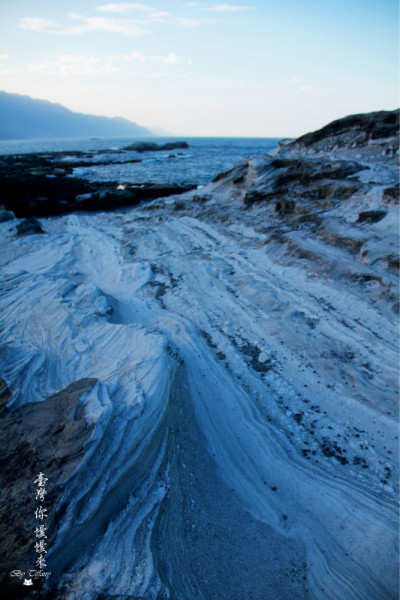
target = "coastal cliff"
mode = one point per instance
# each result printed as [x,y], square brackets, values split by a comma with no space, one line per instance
[209,383]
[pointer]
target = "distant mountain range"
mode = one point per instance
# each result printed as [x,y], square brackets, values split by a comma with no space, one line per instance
[22,117]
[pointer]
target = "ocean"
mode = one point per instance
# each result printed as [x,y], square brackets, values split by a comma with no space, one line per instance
[197,165]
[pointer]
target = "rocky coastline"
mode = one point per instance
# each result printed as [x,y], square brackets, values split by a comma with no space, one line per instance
[39,184]
[209,380]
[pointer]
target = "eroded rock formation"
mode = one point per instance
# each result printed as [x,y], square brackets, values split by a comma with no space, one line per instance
[229,367]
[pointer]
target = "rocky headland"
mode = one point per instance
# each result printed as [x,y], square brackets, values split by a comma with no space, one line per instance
[22,117]
[210,383]
[153,147]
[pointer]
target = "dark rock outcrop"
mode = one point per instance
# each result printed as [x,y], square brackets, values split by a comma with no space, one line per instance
[286,180]
[35,185]
[153,147]
[28,226]
[371,216]
[363,127]
[45,437]
[392,194]
[6,215]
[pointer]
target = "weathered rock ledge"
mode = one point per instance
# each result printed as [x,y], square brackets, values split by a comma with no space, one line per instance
[328,200]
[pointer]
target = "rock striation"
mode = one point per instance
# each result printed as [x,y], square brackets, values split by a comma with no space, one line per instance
[215,378]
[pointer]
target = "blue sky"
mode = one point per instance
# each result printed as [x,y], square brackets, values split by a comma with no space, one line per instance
[237,68]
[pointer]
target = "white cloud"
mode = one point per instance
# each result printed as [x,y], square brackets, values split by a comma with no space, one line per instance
[184,22]
[229,8]
[128,27]
[3,71]
[37,24]
[169,59]
[154,76]
[12,71]
[123,26]
[80,64]
[72,64]
[125,7]
[174,59]
[149,14]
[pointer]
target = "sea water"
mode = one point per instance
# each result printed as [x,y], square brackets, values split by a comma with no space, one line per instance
[197,165]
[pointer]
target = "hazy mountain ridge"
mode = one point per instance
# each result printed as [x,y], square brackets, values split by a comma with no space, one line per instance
[22,117]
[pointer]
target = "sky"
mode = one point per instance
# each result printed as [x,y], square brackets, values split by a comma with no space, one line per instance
[251,68]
